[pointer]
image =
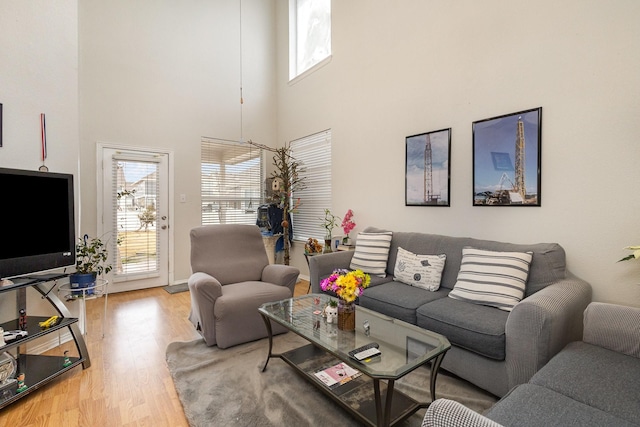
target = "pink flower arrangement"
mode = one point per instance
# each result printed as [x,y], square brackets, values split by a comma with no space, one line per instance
[347,285]
[347,224]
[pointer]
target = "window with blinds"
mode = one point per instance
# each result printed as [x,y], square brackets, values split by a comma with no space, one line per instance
[136,196]
[231,182]
[313,152]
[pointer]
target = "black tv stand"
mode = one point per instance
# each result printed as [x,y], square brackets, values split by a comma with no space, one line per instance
[40,369]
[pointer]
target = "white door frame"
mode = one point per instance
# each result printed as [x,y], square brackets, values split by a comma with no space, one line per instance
[101,146]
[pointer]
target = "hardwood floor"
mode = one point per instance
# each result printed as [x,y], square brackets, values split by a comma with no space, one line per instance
[128,383]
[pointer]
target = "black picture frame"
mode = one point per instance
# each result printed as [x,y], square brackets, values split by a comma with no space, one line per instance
[0,125]
[507,159]
[427,176]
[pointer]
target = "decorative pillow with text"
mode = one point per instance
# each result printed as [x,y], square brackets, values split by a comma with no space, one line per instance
[422,271]
[496,279]
[372,253]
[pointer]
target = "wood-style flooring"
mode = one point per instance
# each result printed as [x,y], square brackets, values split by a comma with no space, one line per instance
[128,383]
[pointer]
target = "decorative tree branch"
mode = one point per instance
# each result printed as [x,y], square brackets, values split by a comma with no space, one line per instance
[288,170]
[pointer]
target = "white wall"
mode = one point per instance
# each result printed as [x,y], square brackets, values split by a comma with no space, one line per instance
[38,74]
[164,74]
[409,67]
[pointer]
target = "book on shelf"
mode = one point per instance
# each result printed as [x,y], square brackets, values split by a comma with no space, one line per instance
[336,375]
[346,248]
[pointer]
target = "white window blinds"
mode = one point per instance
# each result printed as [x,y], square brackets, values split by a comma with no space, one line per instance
[136,197]
[231,182]
[313,152]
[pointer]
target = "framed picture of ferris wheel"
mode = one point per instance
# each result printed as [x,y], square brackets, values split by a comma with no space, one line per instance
[428,168]
[506,159]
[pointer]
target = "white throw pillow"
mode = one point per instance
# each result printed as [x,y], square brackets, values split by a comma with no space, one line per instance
[496,279]
[372,253]
[422,271]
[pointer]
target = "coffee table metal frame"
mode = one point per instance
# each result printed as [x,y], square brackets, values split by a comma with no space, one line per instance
[404,348]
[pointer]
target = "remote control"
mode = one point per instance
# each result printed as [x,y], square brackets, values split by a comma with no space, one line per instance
[365,354]
[357,352]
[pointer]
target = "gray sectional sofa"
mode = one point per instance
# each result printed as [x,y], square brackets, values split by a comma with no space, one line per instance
[593,382]
[491,348]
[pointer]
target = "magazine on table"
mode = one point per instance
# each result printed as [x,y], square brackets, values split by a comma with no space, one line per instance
[337,375]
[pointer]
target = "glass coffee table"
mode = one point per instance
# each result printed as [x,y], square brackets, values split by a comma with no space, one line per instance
[371,397]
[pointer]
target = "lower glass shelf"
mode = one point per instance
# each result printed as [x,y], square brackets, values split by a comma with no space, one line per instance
[38,370]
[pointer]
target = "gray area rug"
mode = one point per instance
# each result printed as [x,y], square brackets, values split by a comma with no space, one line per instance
[226,388]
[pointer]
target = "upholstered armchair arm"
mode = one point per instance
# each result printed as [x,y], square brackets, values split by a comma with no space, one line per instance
[283,275]
[447,413]
[615,327]
[321,266]
[541,325]
[204,290]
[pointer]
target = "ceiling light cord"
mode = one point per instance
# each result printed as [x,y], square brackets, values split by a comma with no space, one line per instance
[241,95]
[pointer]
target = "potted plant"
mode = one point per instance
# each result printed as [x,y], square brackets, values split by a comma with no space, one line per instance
[329,223]
[331,311]
[634,255]
[347,226]
[91,258]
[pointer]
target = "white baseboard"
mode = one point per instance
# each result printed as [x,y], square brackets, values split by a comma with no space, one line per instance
[49,341]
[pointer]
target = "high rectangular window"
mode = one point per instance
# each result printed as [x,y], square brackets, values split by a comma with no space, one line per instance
[309,34]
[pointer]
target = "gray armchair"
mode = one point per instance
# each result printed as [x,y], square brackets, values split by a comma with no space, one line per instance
[231,278]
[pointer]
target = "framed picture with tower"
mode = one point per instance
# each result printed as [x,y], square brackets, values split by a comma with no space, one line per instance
[506,159]
[428,168]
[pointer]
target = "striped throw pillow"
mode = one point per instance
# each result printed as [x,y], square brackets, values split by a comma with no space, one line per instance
[496,279]
[372,253]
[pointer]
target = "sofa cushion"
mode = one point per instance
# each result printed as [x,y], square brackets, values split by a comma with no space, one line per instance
[476,328]
[372,252]
[496,279]
[530,405]
[595,376]
[398,300]
[422,271]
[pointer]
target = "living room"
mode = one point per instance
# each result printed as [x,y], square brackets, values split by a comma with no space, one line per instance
[162,76]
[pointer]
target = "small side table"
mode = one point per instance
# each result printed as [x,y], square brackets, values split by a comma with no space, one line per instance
[98,290]
[306,257]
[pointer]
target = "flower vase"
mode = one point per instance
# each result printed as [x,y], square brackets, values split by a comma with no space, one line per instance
[346,315]
[327,245]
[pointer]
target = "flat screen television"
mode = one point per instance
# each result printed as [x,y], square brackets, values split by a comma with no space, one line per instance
[37,222]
